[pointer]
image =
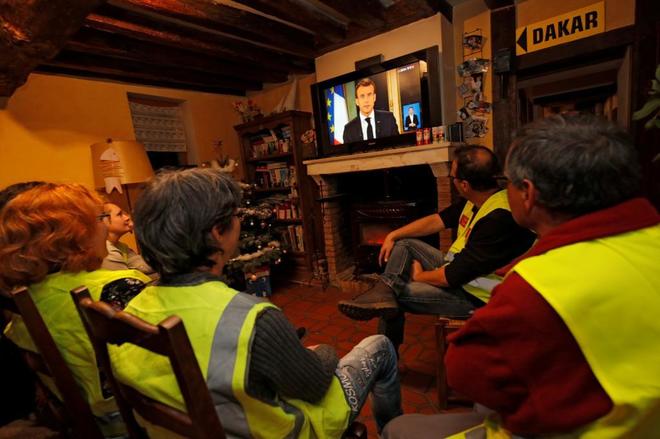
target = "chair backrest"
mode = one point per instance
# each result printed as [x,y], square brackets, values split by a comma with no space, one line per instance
[49,362]
[443,327]
[106,326]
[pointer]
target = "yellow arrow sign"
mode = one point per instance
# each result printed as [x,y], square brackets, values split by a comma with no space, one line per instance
[574,25]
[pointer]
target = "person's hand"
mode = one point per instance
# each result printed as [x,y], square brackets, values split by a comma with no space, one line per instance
[385,250]
[416,269]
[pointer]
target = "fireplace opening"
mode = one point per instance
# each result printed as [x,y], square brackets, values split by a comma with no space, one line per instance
[378,202]
[371,223]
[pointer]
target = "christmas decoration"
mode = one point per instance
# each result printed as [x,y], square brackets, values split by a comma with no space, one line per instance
[258,248]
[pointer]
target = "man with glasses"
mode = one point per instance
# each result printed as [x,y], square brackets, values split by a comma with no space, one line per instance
[568,346]
[121,256]
[418,278]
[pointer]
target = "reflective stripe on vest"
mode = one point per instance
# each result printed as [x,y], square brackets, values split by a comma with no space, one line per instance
[480,287]
[52,298]
[607,292]
[224,351]
[488,429]
[228,383]
[220,324]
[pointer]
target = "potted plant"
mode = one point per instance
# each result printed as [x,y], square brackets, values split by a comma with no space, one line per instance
[652,106]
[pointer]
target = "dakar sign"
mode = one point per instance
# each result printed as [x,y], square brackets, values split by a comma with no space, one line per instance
[574,25]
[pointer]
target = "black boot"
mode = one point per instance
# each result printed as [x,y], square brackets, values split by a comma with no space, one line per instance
[378,301]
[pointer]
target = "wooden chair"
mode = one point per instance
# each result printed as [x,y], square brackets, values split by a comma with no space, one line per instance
[169,338]
[76,417]
[443,327]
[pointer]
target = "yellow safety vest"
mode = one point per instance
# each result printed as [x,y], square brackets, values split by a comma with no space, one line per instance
[482,286]
[488,429]
[222,347]
[53,300]
[607,292]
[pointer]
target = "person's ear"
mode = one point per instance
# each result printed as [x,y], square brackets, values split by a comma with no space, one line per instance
[465,185]
[217,235]
[529,194]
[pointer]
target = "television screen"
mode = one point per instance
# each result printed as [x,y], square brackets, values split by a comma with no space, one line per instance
[381,105]
[378,106]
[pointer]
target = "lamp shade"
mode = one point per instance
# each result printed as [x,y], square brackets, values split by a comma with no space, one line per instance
[117,162]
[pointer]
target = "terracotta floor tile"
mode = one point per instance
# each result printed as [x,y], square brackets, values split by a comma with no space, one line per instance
[316,309]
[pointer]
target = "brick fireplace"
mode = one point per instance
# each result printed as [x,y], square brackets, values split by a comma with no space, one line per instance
[338,228]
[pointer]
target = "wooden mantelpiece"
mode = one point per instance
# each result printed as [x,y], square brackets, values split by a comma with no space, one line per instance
[327,173]
[436,155]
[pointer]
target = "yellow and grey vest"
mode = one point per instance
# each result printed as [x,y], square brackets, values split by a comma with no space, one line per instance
[220,323]
[607,292]
[482,286]
[53,300]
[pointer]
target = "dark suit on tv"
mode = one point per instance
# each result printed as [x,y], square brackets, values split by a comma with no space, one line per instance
[385,126]
[415,121]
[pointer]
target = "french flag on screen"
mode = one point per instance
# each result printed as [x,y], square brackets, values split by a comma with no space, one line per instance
[337,113]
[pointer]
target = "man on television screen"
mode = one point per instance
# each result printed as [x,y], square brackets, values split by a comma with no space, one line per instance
[412,122]
[370,123]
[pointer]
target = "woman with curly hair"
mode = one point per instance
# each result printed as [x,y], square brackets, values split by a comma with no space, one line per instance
[52,239]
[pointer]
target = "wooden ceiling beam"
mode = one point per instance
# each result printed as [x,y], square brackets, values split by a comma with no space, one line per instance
[408,11]
[303,13]
[33,31]
[94,42]
[445,8]
[201,44]
[128,72]
[223,19]
[76,72]
[367,14]
[398,14]
[497,4]
[239,46]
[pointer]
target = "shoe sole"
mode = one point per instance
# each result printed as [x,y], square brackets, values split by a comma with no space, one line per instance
[367,312]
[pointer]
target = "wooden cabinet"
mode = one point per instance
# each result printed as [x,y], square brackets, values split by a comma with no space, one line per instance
[272,155]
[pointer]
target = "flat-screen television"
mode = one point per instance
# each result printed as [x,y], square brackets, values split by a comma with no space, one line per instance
[380,106]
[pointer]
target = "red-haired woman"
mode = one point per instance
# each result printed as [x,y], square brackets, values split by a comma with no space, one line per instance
[52,239]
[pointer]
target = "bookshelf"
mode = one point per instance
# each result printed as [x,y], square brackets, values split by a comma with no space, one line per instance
[272,155]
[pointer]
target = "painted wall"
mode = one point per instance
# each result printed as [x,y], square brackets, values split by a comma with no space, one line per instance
[618,13]
[49,123]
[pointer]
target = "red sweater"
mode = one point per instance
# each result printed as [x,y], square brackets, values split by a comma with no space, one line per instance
[516,355]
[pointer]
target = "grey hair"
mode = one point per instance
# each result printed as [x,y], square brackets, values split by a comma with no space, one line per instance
[578,163]
[175,214]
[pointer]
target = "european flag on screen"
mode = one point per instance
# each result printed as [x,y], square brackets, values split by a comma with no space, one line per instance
[337,113]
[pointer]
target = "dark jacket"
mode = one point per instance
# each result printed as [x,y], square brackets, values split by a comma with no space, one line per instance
[414,121]
[385,126]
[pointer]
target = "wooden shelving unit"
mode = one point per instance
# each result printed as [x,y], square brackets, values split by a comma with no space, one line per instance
[255,156]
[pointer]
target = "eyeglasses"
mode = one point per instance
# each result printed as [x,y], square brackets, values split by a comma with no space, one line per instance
[102,216]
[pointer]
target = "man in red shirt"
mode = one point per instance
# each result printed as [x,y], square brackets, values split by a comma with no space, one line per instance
[568,342]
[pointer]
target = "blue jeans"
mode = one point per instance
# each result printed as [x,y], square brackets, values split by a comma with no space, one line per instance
[371,366]
[419,297]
